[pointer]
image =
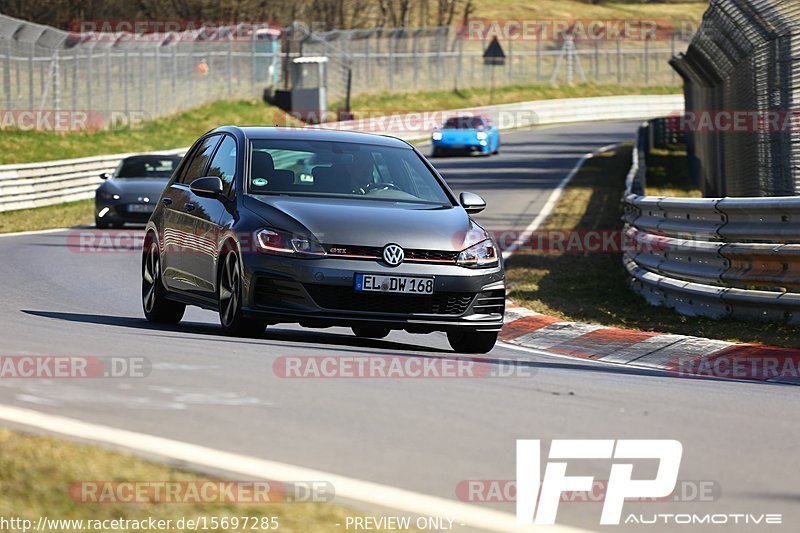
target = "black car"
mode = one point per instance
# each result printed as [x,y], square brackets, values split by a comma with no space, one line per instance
[321,228]
[130,193]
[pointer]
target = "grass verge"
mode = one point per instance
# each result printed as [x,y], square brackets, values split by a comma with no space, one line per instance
[175,131]
[37,473]
[593,287]
[53,216]
[184,128]
[572,9]
[668,173]
[454,99]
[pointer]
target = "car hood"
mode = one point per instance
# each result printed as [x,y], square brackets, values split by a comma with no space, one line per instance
[367,222]
[150,187]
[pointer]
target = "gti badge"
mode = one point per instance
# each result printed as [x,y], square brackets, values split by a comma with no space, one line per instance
[393,254]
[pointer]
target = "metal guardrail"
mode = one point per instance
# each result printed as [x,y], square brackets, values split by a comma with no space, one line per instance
[40,184]
[524,114]
[713,257]
[55,182]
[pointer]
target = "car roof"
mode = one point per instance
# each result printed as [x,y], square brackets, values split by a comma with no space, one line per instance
[314,134]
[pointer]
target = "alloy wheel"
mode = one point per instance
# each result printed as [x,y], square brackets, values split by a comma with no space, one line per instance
[151,274]
[229,289]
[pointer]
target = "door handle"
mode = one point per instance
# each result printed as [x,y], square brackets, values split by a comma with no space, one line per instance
[190,207]
[167,201]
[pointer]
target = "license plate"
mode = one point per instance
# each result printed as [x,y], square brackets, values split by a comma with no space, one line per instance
[141,208]
[396,284]
[456,146]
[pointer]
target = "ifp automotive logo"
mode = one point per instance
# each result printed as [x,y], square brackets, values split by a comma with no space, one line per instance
[538,498]
[620,482]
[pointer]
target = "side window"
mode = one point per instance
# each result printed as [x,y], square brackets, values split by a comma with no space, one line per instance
[224,163]
[197,165]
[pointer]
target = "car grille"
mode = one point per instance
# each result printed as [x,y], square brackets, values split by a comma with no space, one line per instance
[489,302]
[374,252]
[347,299]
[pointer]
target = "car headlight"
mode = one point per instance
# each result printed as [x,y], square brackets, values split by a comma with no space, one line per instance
[481,135]
[107,196]
[282,243]
[437,136]
[480,255]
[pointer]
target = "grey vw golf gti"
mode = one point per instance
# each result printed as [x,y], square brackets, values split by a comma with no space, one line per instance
[321,228]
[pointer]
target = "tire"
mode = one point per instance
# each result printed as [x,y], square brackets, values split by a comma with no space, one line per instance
[157,307]
[370,332]
[229,294]
[436,152]
[472,341]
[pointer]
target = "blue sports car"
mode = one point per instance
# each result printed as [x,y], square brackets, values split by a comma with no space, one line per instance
[470,134]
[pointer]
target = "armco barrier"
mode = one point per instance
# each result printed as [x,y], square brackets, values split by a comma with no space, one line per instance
[54,182]
[713,257]
[539,112]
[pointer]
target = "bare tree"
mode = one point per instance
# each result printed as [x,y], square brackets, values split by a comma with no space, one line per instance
[323,14]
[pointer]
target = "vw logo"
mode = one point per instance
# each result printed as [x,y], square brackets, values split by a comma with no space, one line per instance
[393,255]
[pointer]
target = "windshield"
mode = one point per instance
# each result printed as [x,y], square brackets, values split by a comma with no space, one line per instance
[148,167]
[339,169]
[464,123]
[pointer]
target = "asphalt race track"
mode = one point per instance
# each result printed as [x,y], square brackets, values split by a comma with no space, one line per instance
[425,435]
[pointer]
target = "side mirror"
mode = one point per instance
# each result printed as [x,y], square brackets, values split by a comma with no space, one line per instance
[209,186]
[471,202]
[105,175]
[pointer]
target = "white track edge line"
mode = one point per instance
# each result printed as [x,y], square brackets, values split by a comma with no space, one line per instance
[552,200]
[35,232]
[347,488]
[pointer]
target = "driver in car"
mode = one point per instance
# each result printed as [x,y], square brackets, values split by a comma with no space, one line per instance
[361,173]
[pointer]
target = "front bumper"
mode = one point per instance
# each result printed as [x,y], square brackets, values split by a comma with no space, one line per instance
[320,292]
[469,147]
[119,213]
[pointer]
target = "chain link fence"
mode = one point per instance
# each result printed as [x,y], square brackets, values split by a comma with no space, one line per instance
[117,79]
[120,78]
[442,58]
[742,79]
